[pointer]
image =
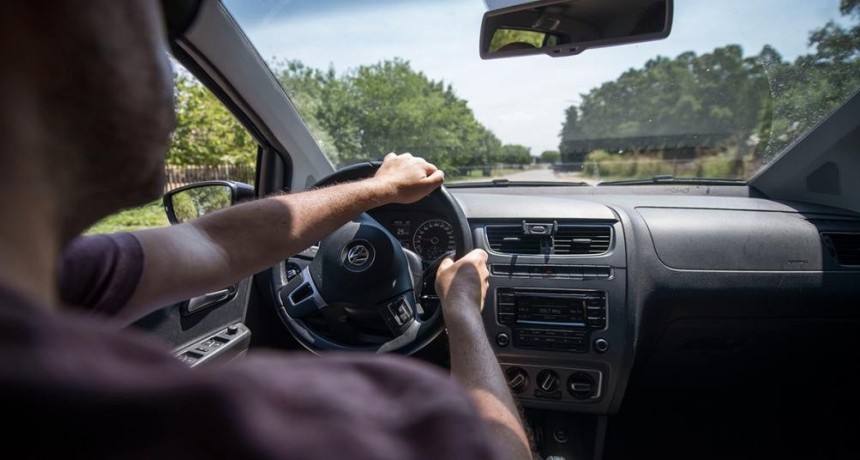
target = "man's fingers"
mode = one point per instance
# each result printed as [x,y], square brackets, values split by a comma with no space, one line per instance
[478,254]
[389,156]
[436,178]
[445,264]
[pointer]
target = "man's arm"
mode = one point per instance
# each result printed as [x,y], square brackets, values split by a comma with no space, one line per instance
[215,251]
[462,287]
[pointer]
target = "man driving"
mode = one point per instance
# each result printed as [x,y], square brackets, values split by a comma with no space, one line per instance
[84,127]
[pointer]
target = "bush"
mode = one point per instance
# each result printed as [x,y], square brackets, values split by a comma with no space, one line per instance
[146,216]
[716,166]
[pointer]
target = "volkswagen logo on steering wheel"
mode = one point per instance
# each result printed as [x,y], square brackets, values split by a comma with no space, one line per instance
[359,256]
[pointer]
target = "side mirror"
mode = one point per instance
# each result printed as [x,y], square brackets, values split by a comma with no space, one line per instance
[569,27]
[192,201]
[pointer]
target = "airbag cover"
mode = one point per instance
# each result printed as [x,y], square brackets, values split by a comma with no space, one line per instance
[737,240]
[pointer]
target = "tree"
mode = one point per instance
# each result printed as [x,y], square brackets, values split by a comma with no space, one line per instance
[717,93]
[550,156]
[305,87]
[815,84]
[514,154]
[756,105]
[385,107]
[206,132]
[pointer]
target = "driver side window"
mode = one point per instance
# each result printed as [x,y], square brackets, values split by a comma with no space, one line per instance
[208,144]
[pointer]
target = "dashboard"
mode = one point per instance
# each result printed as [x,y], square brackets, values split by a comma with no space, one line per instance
[599,294]
[707,289]
[427,233]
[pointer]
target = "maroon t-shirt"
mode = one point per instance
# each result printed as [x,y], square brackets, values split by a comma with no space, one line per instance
[74,386]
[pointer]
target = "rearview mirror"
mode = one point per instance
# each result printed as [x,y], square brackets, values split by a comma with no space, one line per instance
[192,201]
[569,27]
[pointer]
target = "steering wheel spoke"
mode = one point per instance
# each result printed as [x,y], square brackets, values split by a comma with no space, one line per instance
[300,297]
[399,313]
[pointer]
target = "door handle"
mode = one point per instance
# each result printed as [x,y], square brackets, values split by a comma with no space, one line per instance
[209,300]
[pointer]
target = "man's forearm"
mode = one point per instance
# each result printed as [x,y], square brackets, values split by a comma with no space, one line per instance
[474,364]
[219,249]
[258,234]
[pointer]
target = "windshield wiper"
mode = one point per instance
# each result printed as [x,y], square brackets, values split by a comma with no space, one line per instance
[509,183]
[676,180]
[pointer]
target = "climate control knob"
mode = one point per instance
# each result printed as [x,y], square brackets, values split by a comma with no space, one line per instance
[547,380]
[581,385]
[518,379]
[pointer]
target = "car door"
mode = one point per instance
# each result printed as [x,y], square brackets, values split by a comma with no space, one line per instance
[208,144]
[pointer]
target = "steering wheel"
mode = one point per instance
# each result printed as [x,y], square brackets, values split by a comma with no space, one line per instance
[363,291]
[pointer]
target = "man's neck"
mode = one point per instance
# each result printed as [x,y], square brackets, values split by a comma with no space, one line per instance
[29,241]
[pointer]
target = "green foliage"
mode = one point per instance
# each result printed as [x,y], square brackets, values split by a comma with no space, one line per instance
[503,37]
[815,84]
[612,166]
[305,87]
[192,203]
[549,156]
[146,216]
[748,107]
[206,132]
[514,154]
[715,95]
[372,110]
[717,166]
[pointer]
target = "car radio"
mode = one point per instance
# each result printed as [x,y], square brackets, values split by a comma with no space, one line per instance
[551,319]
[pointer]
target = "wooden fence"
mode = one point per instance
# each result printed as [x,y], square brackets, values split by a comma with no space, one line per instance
[177,176]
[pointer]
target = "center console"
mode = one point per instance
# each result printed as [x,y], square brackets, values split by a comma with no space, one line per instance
[556,310]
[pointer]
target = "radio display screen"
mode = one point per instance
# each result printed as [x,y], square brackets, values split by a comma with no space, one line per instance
[550,308]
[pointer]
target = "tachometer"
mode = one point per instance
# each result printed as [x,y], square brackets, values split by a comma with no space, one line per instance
[433,238]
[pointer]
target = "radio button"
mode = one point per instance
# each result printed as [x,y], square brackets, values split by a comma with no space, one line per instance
[503,339]
[595,302]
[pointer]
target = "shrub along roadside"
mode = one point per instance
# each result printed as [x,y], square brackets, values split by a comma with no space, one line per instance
[146,216]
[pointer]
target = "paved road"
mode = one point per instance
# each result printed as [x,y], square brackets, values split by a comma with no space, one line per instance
[544,175]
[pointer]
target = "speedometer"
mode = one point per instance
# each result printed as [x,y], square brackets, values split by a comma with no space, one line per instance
[433,238]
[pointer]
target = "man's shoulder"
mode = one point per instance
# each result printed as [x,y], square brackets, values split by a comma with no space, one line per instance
[76,379]
[367,402]
[100,272]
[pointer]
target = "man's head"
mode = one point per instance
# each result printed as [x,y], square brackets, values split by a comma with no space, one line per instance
[87,104]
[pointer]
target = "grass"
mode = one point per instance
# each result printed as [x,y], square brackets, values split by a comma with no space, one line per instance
[478,174]
[607,167]
[147,216]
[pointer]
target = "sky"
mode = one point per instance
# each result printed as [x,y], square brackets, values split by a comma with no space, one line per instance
[523,99]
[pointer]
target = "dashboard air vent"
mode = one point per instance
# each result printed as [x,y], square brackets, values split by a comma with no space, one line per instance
[582,239]
[549,238]
[846,247]
[509,239]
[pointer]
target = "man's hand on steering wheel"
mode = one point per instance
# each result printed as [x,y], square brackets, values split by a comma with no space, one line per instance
[462,285]
[406,178]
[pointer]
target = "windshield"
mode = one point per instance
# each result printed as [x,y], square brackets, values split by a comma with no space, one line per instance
[734,84]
